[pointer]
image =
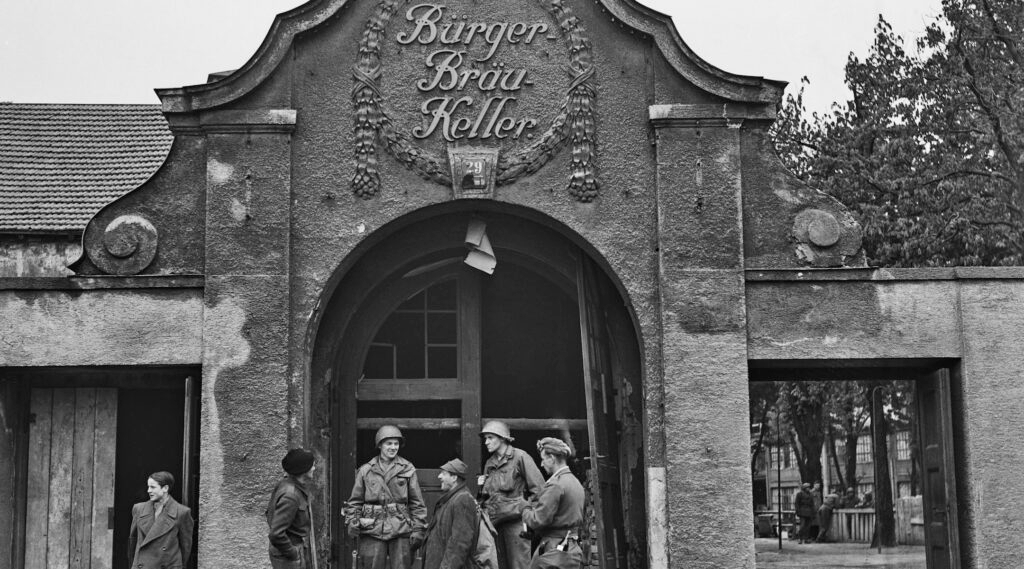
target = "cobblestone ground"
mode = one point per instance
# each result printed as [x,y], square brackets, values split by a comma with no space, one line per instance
[835,555]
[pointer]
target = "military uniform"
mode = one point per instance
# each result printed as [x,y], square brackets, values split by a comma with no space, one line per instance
[386,508]
[510,475]
[556,515]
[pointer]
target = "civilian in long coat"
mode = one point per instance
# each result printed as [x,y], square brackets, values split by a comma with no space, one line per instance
[453,525]
[161,532]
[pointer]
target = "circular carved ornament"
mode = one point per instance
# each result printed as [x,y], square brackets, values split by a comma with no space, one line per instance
[130,243]
[574,123]
[817,227]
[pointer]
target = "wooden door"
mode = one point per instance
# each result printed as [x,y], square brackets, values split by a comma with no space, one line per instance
[938,481]
[604,482]
[70,495]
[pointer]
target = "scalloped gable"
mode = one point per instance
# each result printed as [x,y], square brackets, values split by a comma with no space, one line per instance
[286,26]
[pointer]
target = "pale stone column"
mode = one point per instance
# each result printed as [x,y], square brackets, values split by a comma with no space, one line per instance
[246,413]
[707,435]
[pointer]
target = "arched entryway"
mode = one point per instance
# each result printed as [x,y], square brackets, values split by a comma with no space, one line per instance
[412,335]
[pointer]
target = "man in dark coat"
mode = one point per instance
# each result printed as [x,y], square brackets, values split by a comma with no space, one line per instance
[805,510]
[161,533]
[452,531]
[289,514]
[556,514]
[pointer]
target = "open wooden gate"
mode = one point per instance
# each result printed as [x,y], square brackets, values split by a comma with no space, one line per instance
[70,495]
[604,480]
[942,543]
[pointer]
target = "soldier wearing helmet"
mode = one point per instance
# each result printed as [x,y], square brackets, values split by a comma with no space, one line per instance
[386,513]
[510,474]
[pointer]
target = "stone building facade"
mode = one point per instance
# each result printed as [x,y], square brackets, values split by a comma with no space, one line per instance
[550,212]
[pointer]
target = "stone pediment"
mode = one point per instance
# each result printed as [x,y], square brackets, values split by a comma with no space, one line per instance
[633,17]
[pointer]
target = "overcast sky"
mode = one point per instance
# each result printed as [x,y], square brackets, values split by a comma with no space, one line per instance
[118,51]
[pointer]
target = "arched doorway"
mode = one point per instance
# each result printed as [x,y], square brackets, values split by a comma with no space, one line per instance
[413,336]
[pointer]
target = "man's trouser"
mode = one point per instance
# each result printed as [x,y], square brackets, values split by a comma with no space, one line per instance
[513,551]
[379,554]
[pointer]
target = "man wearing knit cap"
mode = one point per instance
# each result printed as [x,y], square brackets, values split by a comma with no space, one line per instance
[450,535]
[290,515]
[557,512]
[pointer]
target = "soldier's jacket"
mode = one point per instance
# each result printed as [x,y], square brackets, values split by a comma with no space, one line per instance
[559,506]
[510,476]
[386,501]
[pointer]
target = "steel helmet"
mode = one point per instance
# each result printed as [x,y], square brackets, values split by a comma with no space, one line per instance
[388,432]
[498,429]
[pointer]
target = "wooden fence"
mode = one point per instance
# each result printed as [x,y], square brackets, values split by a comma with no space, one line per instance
[858,525]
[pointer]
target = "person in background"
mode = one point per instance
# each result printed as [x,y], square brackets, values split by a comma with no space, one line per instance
[386,513]
[804,505]
[849,499]
[556,513]
[290,515]
[161,532]
[825,516]
[453,525]
[818,501]
[510,475]
[868,501]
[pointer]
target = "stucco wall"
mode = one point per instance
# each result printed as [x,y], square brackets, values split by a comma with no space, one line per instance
[38,256]
[120,327]
[992,315]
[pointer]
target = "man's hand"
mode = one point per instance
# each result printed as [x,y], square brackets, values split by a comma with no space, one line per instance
[416,541]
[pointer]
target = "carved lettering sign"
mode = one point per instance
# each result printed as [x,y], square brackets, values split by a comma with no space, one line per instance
[452,71]
[471,71]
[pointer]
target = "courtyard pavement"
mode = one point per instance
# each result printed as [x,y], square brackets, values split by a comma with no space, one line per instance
[835,555]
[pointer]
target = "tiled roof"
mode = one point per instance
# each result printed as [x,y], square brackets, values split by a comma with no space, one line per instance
[59,164]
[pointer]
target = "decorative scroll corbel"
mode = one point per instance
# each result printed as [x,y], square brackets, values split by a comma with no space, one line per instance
[129,246]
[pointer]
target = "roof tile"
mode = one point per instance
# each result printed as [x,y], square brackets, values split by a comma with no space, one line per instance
[59,164]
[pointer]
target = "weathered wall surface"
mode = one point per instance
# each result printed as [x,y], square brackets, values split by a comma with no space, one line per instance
[704,343]
[813,316]
[245,403]
[991,456]
[38,257]
[119,327]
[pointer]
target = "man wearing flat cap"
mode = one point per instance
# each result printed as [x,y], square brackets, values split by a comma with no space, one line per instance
[556,514]
[452,530]
[290,515]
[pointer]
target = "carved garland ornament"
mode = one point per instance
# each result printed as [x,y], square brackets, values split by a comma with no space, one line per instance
[574,121]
